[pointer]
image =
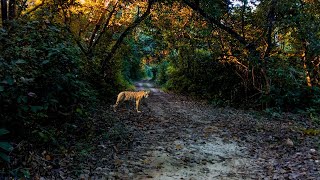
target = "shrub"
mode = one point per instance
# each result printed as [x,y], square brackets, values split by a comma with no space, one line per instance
[40,74]
[289,90]
[5,147]
[161,73]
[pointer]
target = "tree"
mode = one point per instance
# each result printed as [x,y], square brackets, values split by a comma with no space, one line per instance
[4,12]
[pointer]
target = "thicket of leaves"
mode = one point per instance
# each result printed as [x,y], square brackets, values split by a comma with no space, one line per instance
[131,56]
[206,59]
[289,91]
[41,77]
[195,72]
[51,61]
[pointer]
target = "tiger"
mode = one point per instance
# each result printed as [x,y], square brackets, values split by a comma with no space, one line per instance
[131,96]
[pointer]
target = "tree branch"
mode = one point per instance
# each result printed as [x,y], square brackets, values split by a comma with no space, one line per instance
[21,7]
[33,9]
[104,27]
[216,22]
[98,24]
[271,17]
[124,34]
[251,46]
[242,19]
[77,41]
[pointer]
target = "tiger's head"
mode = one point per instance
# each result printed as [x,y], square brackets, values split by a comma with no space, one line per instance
[146,94]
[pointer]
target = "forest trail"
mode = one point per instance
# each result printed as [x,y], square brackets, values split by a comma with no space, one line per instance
[181,140]
[175,137]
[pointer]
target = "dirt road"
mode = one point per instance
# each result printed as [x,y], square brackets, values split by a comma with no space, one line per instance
[181,141]
[180,138]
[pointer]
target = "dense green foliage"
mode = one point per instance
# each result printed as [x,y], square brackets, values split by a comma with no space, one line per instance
[279,70]
[131,57]
[289,90]
[41,74]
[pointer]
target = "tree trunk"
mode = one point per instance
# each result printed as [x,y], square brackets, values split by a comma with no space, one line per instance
[12,9]
[4,12]
[96,28]
[305,67]
[271,18]
[33,9]
[103,30]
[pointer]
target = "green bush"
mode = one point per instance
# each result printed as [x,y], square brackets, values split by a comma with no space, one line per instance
[129,61]
[40,74]
[132,69]
[5,147]
[148,71]
[289,90]
[196,72]
[161,73]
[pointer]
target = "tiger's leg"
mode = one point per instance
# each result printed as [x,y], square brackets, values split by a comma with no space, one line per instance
[137,106]
[119,99]
[115,106]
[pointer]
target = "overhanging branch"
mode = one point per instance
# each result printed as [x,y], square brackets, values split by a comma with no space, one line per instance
[250,46]
[124,34]
[216,22]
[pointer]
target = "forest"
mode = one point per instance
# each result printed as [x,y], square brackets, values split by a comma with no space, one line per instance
[234,89]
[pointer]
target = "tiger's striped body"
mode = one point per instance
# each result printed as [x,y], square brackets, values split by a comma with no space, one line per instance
[131,96]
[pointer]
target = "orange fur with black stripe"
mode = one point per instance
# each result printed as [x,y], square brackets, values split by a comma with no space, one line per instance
[131,96]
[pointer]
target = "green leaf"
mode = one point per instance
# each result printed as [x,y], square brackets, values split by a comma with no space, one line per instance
[26,173]
[1,88]
[79,110]
[45,62]
[54,101]
[3,131]
[22,99]
[24,108]
[36,108]
[20,61]
[9,80]
[119,14]
[4,157]
[6,146]
[41,134]
[54,28]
